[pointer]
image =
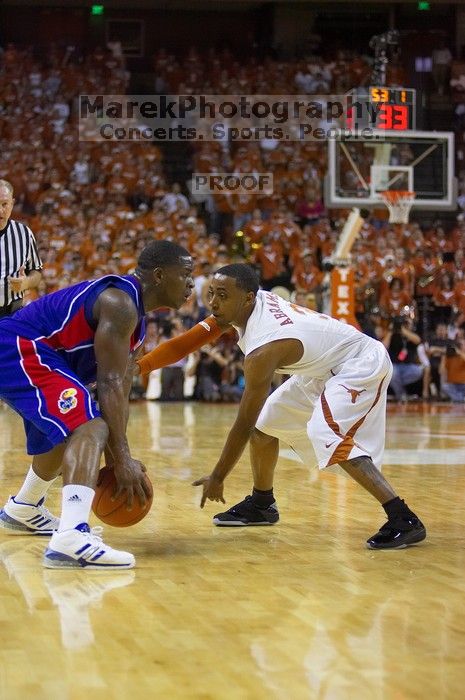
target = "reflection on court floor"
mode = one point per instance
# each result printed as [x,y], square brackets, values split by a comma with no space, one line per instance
[298,610]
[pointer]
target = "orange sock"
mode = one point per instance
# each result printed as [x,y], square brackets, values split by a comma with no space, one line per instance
[206,331]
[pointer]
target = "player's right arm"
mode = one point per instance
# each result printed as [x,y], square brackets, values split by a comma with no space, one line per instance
[259,368]
[173,350]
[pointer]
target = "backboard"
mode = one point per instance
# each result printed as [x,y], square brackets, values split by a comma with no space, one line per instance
[361,165]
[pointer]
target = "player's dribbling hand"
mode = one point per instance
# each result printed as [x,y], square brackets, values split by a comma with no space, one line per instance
[130,479]
[212,489]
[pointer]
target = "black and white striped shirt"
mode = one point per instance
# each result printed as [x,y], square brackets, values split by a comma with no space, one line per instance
[18,248]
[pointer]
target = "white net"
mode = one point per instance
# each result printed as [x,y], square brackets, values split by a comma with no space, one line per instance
[399,203]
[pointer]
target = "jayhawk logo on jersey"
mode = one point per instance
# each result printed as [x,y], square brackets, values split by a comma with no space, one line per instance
[67,400]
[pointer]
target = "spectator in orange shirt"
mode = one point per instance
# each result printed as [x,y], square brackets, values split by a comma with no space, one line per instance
[291,232]
[445,298]
[394,300]
[388,274]
[255,229]
[371,270]
[404,270]
[270,258]
[427,268]
[307,276]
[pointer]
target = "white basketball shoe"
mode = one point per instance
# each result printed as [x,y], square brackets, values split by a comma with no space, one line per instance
[82,547]
[27,519]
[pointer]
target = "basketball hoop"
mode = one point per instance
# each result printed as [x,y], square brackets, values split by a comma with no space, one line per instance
[399,203]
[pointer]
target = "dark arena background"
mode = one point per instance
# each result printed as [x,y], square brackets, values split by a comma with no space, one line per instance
[352,207]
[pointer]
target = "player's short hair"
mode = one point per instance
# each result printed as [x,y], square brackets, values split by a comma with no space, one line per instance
[7,185]
[245,276]
[161,254]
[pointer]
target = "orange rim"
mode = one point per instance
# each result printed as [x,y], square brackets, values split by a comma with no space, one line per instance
[394,196]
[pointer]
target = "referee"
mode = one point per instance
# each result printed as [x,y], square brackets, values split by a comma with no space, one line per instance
[20,263]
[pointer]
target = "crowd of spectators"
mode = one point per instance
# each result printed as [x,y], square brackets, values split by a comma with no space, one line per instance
[93,206]
[221,73]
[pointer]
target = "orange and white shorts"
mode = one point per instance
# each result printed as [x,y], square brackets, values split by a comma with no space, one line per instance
[343,416]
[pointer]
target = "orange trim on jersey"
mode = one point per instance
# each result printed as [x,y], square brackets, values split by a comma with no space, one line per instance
[343,450]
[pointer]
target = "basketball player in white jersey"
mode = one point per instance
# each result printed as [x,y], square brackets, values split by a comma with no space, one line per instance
[335,397]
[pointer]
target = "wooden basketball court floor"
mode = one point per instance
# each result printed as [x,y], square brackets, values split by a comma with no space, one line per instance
[298,610]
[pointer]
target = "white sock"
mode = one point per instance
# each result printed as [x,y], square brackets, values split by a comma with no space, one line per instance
[76,505]
[33,489]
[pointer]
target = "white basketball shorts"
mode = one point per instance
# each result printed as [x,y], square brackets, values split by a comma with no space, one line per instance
[343,416]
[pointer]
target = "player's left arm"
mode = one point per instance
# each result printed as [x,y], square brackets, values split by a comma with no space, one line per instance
[126,386]
[116,317]
[203,333]
[259,368]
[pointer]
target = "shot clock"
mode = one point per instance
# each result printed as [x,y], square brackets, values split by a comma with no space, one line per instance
[388,108]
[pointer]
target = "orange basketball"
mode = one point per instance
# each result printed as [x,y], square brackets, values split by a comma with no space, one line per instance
[115,513]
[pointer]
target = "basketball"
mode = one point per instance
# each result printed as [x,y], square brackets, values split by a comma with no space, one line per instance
[115,513]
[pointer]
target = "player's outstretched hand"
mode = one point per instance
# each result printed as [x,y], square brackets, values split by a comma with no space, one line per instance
[212,489]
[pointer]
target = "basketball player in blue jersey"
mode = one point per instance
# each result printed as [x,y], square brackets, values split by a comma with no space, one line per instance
[51,351]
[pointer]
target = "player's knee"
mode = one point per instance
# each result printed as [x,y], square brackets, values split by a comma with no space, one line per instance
[258,438]
[100,431]
[95,430]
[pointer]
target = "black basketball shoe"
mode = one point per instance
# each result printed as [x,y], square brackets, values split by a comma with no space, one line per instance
[247,513]
[398,533]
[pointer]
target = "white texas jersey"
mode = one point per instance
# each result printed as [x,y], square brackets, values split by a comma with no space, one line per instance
[327,343]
